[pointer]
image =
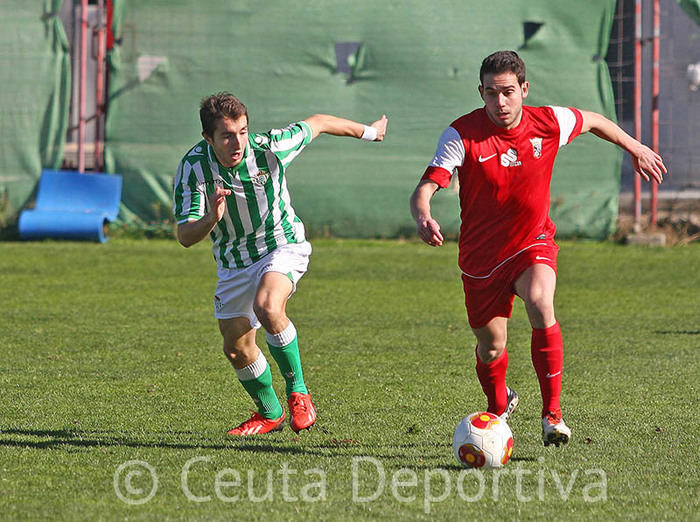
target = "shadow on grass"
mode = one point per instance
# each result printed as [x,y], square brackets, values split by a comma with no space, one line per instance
[677,332]
[523,459]
[455,467]
[96,439]
[433,456]
[75,438]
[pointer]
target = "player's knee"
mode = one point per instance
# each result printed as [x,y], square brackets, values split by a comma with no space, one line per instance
[263,311]
[540,303]
[229,352]
[235,348]
[491,351]
[267,313]
[231,349]
[540,311]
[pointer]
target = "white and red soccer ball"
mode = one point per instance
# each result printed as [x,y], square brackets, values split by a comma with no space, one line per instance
[482,440]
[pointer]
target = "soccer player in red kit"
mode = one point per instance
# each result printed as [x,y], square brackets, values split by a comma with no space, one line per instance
[503,154]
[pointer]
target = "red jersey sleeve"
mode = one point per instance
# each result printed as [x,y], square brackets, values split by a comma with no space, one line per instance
[578,125]
[449,155]
[439,175]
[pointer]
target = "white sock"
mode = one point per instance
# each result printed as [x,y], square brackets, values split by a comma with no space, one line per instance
[254,370]
[283,338]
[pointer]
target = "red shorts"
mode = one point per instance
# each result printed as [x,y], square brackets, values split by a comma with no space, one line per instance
[493,296]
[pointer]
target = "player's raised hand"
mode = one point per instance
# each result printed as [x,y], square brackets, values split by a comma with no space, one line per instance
[648,163]
[217,202]
[380,125]
[429,231]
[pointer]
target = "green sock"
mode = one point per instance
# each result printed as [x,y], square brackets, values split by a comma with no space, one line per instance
[259,387]
[285,350]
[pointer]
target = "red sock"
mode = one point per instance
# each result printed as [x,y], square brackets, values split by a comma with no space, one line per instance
[492,377]
[547,350]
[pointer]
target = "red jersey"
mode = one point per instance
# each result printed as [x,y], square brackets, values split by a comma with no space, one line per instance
[504,177]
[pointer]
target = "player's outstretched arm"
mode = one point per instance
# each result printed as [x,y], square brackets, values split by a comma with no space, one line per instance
[194,231]
[428,228]
[328,124]
[647,163]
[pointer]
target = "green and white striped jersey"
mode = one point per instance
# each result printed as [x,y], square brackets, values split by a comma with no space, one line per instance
[259,216]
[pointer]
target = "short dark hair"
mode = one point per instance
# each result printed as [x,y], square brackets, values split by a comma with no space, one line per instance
[218,106]
[503,61]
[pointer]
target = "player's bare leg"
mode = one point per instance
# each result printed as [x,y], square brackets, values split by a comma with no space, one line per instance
[536,287]
[491,339]
[270,307]
[253,372]
[270,304]
[491,366]
[239,341]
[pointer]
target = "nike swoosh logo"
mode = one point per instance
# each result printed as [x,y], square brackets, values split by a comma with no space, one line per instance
[550,375]
[542,257]
[481,160]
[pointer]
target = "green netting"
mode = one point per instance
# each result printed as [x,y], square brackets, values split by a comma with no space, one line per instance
[692,8]
[34,99]
[418,62]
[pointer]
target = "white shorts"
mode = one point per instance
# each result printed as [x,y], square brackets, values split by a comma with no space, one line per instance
[236,289]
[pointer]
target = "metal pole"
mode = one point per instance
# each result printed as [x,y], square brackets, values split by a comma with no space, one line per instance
[83,75]
[637,105]
[99,94]
[655,106]
[619,98]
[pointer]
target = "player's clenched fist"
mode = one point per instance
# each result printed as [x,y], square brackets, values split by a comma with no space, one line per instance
[217,202]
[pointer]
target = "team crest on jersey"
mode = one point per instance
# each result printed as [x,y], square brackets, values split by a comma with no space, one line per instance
[261,177]
[536,146]
[510,158]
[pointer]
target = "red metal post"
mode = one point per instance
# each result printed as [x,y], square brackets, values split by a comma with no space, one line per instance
[110,34]
[655,105]
[637,104]
[83,75]
[100,80]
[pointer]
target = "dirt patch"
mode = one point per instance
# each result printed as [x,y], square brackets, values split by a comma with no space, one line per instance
[678,220]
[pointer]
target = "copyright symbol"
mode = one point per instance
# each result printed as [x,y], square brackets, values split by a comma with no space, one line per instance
[128,477]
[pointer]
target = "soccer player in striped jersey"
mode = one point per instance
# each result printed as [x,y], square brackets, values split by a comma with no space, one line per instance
[503,155]
[232,187]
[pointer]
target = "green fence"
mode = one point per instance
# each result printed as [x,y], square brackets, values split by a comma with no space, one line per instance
[34,99]
[416,61]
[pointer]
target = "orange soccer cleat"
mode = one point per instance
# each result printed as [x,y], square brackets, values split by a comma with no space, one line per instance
[257,425]
[301,410]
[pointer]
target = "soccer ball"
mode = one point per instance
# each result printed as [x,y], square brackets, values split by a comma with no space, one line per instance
[482,440]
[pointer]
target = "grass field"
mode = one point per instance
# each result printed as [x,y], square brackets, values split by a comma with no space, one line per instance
[111,358]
